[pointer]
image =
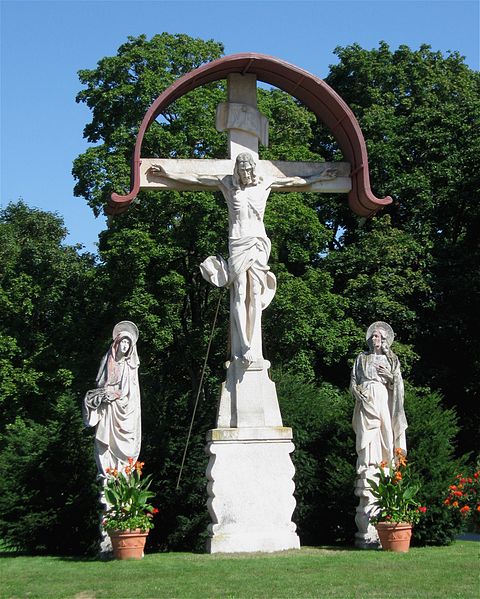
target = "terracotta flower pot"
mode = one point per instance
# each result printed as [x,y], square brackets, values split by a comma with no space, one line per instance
[394,536]
[128,544]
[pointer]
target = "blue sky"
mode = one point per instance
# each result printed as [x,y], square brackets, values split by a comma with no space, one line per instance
[44,44]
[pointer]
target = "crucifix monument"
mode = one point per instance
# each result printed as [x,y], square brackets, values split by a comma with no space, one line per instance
[250,472]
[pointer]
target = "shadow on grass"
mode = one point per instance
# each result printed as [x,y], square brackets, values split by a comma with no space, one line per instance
[304,550]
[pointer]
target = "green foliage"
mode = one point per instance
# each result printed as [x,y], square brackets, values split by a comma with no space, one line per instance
[44,289]
[307,326]
[420,114]
[127,495]
[324,458]
[431,438]
[48,495]
[150,258]
[119,92]
[415,266]
[386,267]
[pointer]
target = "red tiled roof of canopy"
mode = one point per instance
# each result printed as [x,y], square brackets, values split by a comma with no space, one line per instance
[319,97]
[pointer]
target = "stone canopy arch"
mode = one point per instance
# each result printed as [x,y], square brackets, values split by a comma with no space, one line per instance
[319,97]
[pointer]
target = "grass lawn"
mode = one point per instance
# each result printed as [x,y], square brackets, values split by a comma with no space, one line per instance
[446,572]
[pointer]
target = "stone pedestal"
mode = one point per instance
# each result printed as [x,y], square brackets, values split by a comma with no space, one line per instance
[366,537]
[248,397]
[105,550]
[250,490]
[250,472]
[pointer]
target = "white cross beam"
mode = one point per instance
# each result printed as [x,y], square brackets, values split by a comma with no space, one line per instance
[246,126]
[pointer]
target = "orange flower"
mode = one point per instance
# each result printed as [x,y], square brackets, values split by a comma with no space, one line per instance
[128,470]
[478,508]
[453,487]
[397,477]
[398,451]
[455,504]
[458,494]
[465,509]
[447,501]
[130,461]
[107,470]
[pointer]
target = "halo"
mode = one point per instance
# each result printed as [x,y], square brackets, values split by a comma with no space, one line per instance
[125,327]
[389,334]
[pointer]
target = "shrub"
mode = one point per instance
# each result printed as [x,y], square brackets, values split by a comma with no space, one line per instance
[48,492]
[324,458]
[431,441]
[464,497]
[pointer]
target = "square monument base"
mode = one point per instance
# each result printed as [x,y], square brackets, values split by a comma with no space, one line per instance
[250,490]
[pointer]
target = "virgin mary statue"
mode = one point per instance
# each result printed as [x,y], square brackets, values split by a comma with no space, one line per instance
[113,408]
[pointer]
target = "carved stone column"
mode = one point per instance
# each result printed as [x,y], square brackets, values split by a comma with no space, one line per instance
[250,471]
[366,536]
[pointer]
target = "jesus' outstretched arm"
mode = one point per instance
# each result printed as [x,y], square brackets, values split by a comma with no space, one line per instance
[326,175]
[207,180]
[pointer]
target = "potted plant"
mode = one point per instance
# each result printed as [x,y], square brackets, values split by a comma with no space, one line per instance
[128,518]
[397,509]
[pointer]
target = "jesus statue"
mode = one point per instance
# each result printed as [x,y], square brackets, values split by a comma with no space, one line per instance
[247,270]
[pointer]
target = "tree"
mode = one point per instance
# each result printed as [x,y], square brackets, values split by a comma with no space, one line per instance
[44,304]
[47,481]
[420,115]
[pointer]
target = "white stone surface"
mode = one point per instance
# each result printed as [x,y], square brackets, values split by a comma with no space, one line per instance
[250,491]
[242,94]
[248,397]
[250,471]
[366,536]
[113,407]
[277,169]
[246,194]
[378,419]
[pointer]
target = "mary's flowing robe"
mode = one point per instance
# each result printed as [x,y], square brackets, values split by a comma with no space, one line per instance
[379,418]
[114,408]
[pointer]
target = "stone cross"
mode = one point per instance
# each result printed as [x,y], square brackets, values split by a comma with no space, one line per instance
[245,182]
[250,472]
